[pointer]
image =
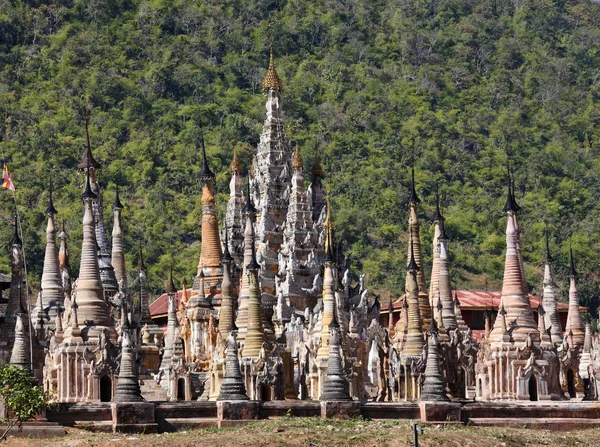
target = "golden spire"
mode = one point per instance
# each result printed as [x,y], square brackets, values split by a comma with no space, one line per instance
[272,79]
[236,165]
[297,161]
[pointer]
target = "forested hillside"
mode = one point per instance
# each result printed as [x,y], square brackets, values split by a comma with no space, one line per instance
[460,86]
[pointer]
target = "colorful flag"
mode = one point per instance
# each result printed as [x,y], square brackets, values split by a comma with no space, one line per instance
[6,180]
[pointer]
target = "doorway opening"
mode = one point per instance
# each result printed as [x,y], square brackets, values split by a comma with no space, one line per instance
[533,394]
[571,384]
[105,389]
[181,388]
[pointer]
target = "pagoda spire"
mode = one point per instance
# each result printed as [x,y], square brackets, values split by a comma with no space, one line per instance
[93,310]
[328,286]
[514,297]
[272,81]
[20,355]
[438,227]
[390,327]
[143,304]
[445,287]
[210,252]
[118,254]
[300,248]
[413,198]
[172,334]
[271,183]
[234,221]
[575,323]
[63,260]
[16,278]
[335,386]
[52,293]
[233,387]
[511,203]
[551,316]
[546,341]
[89,166]
[434,387]
[297,162]
[255,334]
[88,161]
[128,385]
[244,295]
[417,256]
[226,323]
[413,346]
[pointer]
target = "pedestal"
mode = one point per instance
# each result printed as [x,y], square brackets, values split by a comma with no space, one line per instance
[133,417]
[237,412]
[348,409]
[449,412]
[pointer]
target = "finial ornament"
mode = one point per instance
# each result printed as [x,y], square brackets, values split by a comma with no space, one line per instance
[141,265]
[16,239]
[88,159]
[548,255]
[433,327]
[117,205]
[88,194]
[413,198]
[249,206]
[272,81]
[253,265]
[206,173]
[438,215]
[171,289]
[328,226]
[297,161]
[511,205]
[236,165]
[572,271]
[50,209]
[226,258]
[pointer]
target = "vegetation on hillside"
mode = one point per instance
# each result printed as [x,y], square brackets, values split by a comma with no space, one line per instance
[458,86]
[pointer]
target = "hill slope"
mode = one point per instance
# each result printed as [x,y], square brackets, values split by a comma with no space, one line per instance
[369,85]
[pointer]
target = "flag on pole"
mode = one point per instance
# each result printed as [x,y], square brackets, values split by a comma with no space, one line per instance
[6,180]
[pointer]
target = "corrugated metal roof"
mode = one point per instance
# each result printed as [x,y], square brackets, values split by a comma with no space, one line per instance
[480,299]
[161,305]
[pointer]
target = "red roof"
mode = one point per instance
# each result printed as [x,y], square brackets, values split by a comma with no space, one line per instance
[480,299]
[161,305]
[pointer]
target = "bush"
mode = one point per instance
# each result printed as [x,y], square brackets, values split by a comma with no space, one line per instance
[22,398]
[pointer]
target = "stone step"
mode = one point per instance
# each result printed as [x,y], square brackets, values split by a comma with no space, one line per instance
[540,423]
[68,413]
[541,410]
[175,424]
[95,426]
[186,409]
[37,429]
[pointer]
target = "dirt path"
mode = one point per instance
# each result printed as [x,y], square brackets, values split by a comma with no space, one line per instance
[313,432]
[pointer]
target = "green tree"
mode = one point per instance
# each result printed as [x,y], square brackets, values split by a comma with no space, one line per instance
[22,399]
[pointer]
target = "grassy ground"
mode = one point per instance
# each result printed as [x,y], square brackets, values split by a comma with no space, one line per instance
[313,432]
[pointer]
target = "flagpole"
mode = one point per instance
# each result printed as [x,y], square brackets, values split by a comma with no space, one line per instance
[23,256]
[20,228]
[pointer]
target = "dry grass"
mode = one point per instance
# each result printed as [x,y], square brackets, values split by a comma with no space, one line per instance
[313,432]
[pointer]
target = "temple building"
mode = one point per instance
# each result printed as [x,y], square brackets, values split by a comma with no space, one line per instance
[516,360]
